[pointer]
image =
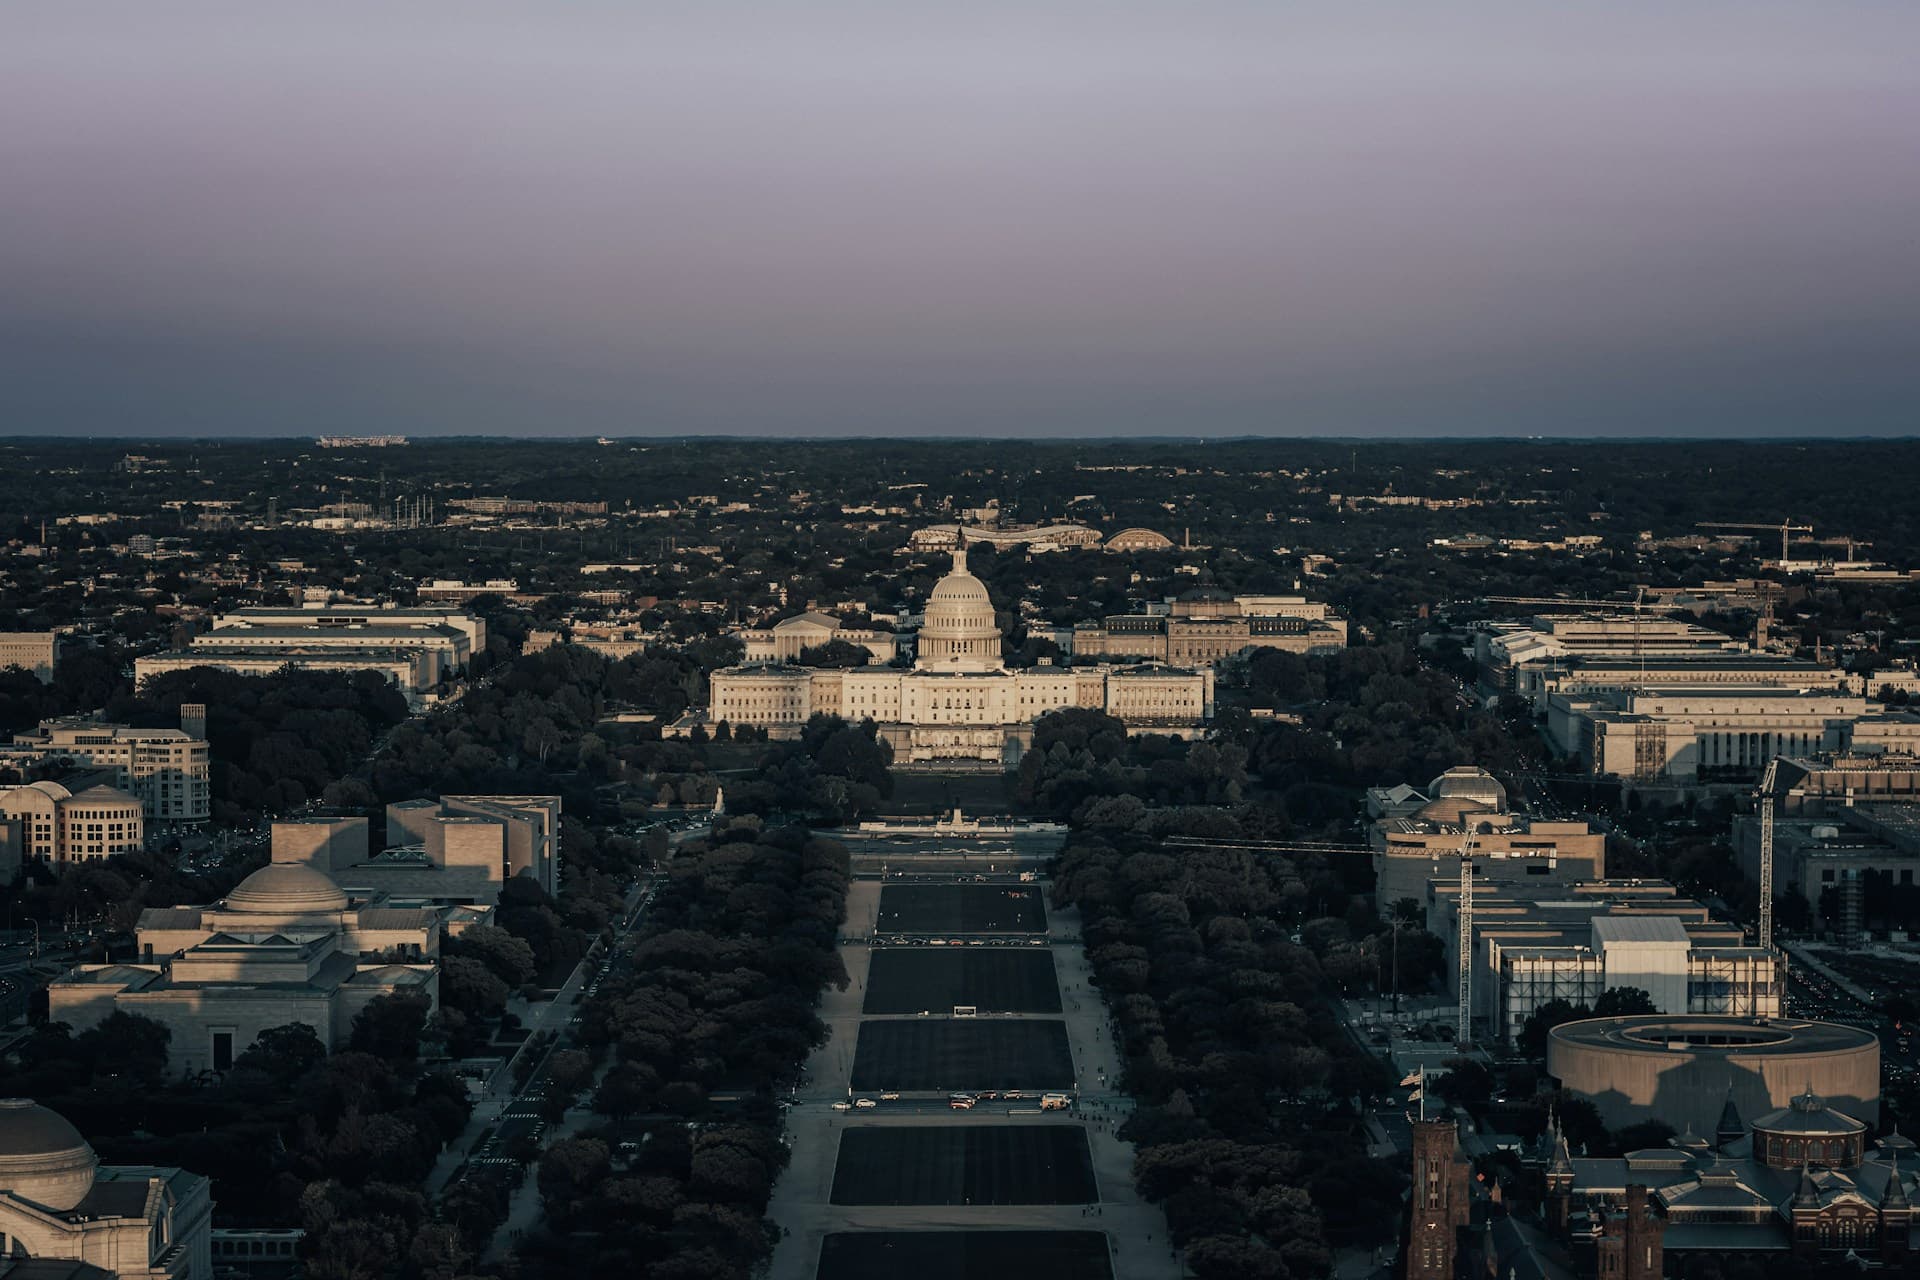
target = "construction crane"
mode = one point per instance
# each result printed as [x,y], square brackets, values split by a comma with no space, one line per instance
[1766,797]
[1785,529]
[1851,543]
[1464,1036]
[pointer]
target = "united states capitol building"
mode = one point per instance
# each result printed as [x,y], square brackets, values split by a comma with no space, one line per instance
[958,702]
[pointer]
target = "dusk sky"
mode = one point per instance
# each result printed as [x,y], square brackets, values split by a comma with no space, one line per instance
[900,218]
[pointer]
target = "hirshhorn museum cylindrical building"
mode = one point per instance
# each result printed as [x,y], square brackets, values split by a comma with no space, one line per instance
[1680,1068]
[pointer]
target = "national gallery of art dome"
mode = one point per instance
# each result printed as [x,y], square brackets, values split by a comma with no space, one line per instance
[288,944]
[958,702]
[66,1216]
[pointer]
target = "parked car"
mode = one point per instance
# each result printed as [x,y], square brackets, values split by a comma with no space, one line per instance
[865,1103]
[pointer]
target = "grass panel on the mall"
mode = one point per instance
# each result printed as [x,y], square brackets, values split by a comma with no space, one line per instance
[965,1255]
[965,1164]
[956,1054]
[961,908]
[992,979]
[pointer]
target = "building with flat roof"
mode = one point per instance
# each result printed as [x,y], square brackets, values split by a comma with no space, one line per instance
[416,648]
[322,617]
[1685,735]
[168,769]
[32,651]
[1513,655]
[504,836]
[1681,1070]
[1207,625]
[61,823]
[1842,820]
[452,589]
[450,850]
[1539,942]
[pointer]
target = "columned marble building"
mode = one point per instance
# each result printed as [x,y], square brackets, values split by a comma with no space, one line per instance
[958,702]
[287,945]
[66,1216]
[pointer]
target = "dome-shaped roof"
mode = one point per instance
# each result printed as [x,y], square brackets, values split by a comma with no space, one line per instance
[1808,1113]
[959,623]
[959,587]
[1469,782]
[1139,540]
[43,1158]
[287,888]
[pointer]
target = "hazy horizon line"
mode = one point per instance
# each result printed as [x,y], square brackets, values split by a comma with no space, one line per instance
[1026,438]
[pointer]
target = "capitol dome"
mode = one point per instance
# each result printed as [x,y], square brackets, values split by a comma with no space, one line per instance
[42,1157]
[287,889]
[959,623]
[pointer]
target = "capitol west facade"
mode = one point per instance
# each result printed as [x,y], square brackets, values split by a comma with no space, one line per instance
[958,702]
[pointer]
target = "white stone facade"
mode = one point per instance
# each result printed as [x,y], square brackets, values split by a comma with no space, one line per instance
[958,702]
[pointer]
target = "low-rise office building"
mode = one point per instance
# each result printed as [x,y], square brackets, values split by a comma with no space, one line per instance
[31,651]
[1843,822]
[1684,735]
[1536,943]
[462,592]
[168,769]
[415,648]
[61,823]
[1514,655]
[1205,626]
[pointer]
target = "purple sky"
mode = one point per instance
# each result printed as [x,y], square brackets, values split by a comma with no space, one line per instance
[975,218]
